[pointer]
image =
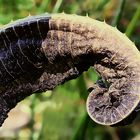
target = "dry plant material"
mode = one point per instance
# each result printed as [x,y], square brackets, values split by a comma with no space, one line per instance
[40,52]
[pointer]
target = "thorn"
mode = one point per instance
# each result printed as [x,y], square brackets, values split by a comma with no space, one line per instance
[63,12]
[74,14]
[124,34]
[11,20]
[105,21]
[29,15]
[46,13]
[87,15]
[134,43]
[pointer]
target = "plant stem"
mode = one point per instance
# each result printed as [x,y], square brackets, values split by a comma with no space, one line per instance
[42,133]
[57,6]
[82,87]
[83,124]
[119,12]
[82,127]
[32,122]
[133,22]
[43,6]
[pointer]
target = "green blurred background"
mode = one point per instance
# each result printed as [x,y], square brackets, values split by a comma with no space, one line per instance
[60,114]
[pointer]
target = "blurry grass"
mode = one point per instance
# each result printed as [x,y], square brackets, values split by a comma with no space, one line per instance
[32,121]
[62,115]
[43,6]
[119,13]
[57,6]
[133,22]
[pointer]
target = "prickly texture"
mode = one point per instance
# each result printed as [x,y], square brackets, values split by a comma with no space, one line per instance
[61,47]
[83,42]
